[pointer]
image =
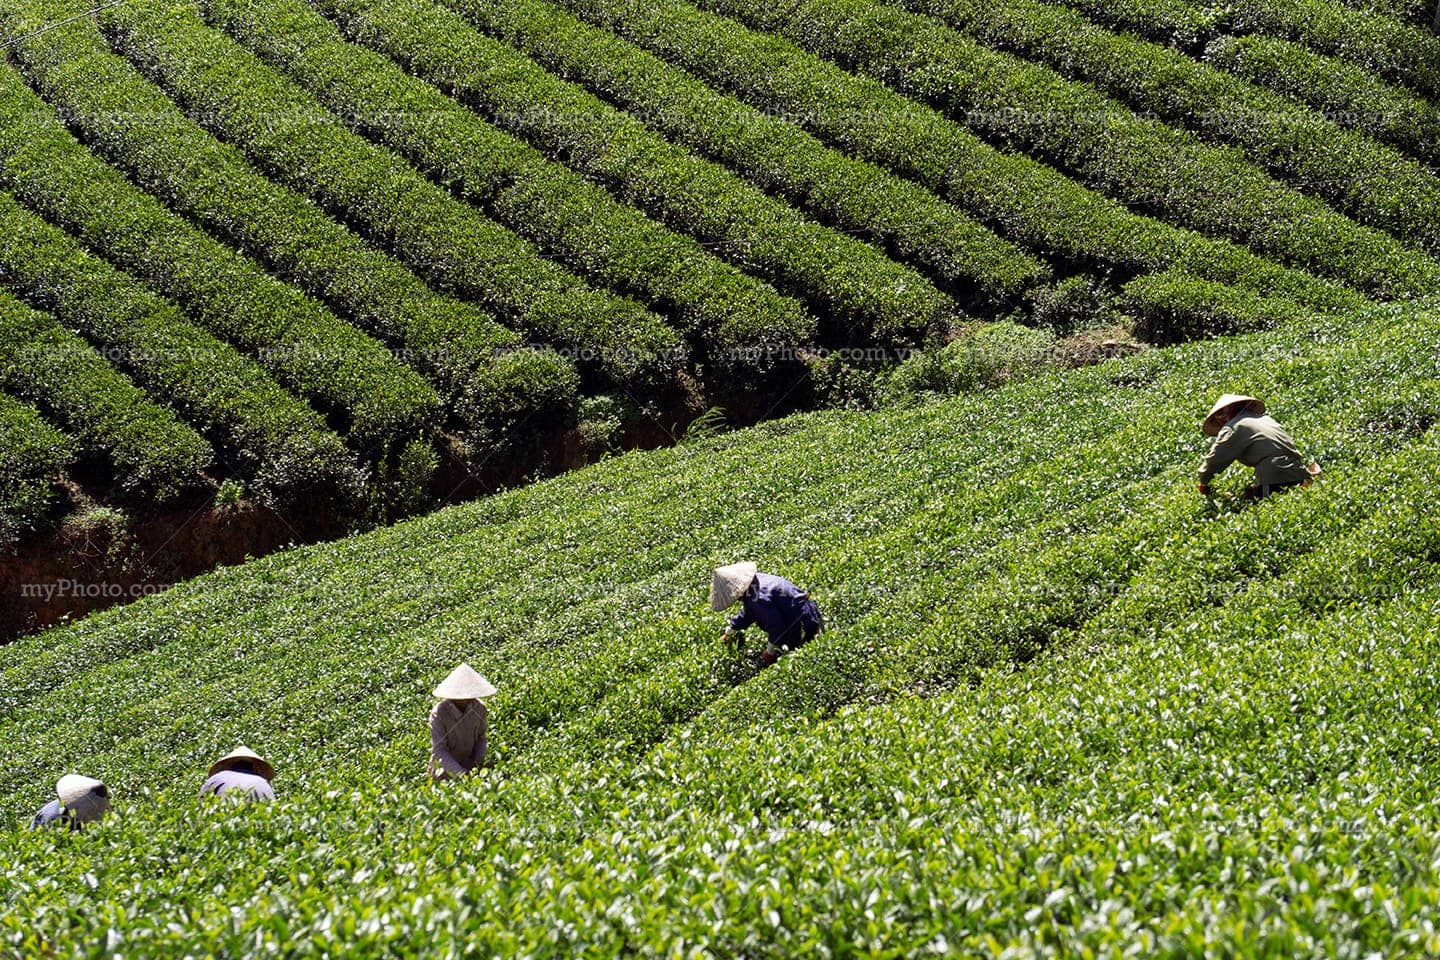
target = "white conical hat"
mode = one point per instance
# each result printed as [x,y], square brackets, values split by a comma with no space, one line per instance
[242,752]
[464,684]
[730,583]
[85,798]
[1219,413]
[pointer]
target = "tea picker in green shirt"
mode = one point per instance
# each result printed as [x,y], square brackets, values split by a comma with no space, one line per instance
[1243,432]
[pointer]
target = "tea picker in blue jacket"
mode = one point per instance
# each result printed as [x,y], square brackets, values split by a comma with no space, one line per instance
[785,612]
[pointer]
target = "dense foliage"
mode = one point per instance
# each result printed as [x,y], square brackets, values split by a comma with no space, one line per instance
[269,436]
[282,128]
[1027,200]
[853,284]
[58,370]
[1382,44]
[1346,93]
[564,213]
[300,343]
[31,452]
[1064,705]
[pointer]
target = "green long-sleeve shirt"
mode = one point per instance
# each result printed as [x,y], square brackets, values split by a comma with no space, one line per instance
[1256,441]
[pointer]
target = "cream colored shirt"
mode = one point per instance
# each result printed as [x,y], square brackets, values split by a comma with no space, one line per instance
[1256,441]
[457,737]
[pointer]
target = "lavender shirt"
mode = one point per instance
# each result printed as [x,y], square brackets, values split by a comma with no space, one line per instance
[233,781]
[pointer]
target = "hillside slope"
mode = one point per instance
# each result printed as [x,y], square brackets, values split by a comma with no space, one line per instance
[1064,702]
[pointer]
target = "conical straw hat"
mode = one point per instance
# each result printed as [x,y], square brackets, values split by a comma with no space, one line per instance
[464,684]
[1219,413]
[87,799]
[730,583]
[243,752]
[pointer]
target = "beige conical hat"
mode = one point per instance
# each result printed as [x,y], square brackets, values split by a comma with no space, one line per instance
[730,583]
[464,684]
[1219,413]
[242,752]
[85,798]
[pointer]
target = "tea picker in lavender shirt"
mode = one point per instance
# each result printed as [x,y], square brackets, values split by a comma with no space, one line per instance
[240,775]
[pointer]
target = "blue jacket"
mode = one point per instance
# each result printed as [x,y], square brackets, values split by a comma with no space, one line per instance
[785,612]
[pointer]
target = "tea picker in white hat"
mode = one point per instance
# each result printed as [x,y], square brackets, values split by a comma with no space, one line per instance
[1242,432]
[458,724]
[785,612]
[242,775]
[79,800]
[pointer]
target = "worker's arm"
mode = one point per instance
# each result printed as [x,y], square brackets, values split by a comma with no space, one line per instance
[477,756]
[439,747]
[1226,450]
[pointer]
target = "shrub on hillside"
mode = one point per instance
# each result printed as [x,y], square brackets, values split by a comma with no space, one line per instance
[1171,307]
[987,357]
[1077,303]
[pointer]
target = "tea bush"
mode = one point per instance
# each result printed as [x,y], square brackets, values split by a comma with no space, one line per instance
[893,213]
[1372,183]
[1348,94]
[994,354]
[31,453]
[449,242]
[1397,51]
[1171,306]
[1026,200]
[150,450]
[566,215]
[848,281]
[300,343]
[263,432]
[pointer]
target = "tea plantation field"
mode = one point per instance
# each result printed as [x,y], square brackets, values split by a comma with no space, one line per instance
[1065,706]
[324,251]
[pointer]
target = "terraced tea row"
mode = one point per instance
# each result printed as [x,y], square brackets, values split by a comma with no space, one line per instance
[1348,94]
[1393,49]
[267,435]
[111,417]
[853,282]
[301,344]
[565,213]
[468,354]
[31,452]
[296,139]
